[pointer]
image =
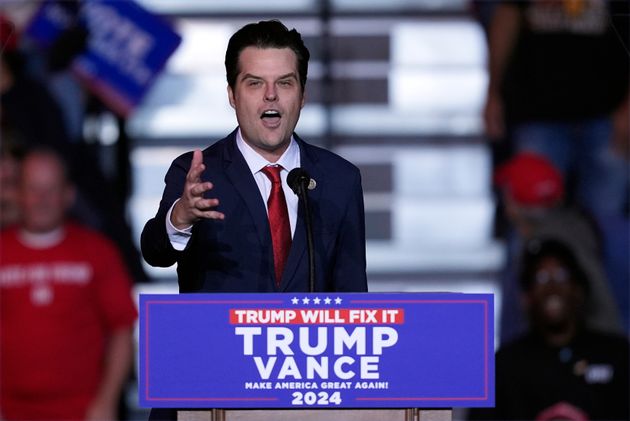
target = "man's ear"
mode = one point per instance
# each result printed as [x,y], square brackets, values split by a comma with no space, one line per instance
[231,96]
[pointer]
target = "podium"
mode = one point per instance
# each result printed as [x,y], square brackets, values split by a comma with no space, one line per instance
[316,356]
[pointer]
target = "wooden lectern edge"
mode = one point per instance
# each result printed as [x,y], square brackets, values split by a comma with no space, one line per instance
[408,414]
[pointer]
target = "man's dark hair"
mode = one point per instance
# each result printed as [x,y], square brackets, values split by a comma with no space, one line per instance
[265,34]
[538,249]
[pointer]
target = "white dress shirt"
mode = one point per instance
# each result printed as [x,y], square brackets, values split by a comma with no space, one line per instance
[289,160]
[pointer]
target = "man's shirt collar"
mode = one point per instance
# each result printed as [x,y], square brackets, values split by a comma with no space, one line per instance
[289,160]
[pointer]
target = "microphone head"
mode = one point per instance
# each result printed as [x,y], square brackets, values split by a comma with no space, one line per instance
[297,177]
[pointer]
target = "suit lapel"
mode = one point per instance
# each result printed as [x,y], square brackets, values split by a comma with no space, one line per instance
[241,177]
[299,245]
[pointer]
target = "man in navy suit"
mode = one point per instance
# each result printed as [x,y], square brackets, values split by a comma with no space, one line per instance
[213,217]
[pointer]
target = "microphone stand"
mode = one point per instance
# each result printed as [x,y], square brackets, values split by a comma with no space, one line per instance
[309,234]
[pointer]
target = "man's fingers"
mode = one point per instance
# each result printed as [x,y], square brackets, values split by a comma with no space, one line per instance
[196,207]
[199,189]
[207,212]
[196,167]
[197,158]
[194,174]
[206,204]
[211,215]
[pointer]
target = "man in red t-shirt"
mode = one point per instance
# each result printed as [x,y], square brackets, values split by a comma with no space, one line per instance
[66,311]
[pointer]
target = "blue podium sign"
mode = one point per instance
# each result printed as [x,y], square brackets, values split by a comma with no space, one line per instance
[320,350]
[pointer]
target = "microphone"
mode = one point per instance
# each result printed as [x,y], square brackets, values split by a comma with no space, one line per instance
[298,177]
[300,182]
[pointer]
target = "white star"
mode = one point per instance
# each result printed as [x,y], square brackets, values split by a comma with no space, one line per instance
[316,300]
[295,300]
[327,300]
[337,300]
[305,300]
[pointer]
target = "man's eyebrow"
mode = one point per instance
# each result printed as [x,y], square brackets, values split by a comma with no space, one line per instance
[286,76]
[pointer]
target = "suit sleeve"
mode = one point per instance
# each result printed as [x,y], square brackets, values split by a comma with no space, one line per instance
[155,244]
[349,271]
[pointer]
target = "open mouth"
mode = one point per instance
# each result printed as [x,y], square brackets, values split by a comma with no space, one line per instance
[270,117]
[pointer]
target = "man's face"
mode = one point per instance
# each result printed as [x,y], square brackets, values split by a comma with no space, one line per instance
[553,299]
[267,98]
[44,193]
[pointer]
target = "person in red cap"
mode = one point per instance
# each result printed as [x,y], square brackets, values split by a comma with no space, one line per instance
[531,185]
[532,194]
[532,180]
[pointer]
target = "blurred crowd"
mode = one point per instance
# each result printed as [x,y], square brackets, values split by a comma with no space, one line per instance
[557,120]
[67,258]
[557,117]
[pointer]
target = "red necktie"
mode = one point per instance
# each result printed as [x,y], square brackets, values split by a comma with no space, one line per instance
[278,221]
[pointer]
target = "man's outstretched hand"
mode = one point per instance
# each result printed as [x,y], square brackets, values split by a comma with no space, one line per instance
[192,206]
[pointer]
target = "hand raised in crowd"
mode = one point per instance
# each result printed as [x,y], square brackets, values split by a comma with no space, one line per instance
[192,205]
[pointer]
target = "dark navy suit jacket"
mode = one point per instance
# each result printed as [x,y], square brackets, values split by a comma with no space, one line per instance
[235,254]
